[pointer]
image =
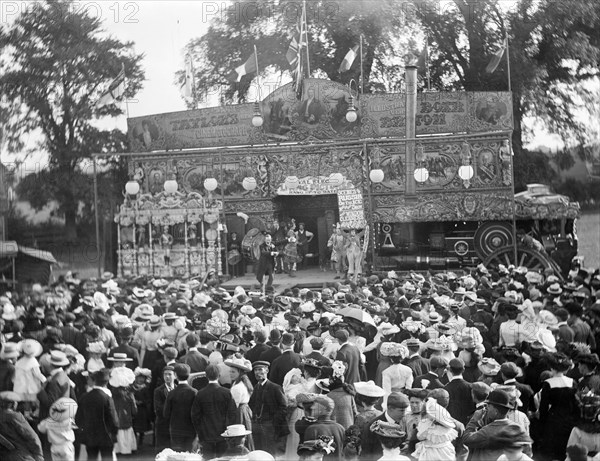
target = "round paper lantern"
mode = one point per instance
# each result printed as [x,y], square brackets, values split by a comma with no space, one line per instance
[132,187]
[210,184]
[336,179]
[292,182]
[170,186]
[421,174]
[351,115]
[249,183]
[376,175]
[465,172]
[257,120]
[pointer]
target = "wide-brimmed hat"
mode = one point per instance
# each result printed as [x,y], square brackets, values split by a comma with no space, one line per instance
[9,312]
[388,329]
[388,430]
[368,389]
[119,357]
[499,398]
[9,351]
[438,413]
[63,409]
[236,430]
[554,289]
[170,316]
[247,309]
[96,347]
[121,377]
[310,362]
[31,347]
[488,366]
[393,350]
[416,393]
[240,363]
[154,321]
[59,359]
[510,435]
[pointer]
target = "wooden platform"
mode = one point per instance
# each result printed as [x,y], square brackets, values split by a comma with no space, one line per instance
[312,277]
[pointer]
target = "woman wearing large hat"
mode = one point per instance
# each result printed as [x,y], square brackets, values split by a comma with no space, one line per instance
[241,390]
[368,394]
[149,353]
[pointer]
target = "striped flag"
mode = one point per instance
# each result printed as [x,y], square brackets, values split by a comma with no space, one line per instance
[294,52]
[247,68]
[115,90]
[188,82]
[348,59]
[495,61]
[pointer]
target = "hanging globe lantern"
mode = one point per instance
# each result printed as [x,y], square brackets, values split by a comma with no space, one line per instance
[132,187]
[210,184]
[257,118]
[376,175]
[249,183]
[465,172]
[421,174]
[170,186]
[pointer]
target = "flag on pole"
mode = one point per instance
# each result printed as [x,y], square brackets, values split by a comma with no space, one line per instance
[294,52]
[188,81]
[348,59]
[115,90]
[247,68]
[493,65]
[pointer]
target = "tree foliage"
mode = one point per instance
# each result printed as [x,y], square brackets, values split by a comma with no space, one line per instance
[56,62]
[554,51]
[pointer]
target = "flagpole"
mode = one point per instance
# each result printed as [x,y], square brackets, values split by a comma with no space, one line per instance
[257,72]
[508,62]
[306,37]
[428,74]
[362,80]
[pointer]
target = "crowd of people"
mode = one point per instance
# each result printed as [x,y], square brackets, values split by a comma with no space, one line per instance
[484,365]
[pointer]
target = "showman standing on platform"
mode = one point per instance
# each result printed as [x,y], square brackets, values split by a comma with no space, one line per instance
[266,263]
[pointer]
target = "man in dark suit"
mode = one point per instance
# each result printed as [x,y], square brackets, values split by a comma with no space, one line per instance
[266,263]
[193,358]
[168,357]
[72,335]
[286,361]
[212,411]
[419,365]
[432,379]
[124,339]
[177,410]
[260,338]
[269,412]
[8,356]
[461,401]
[509,372]
[397,406]
[350,355]
[481,435]
[97,418]
[317,346]
[162,435]
[274,351]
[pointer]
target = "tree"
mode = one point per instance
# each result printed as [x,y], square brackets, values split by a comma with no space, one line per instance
[56,62]
[554,52]
[333,28]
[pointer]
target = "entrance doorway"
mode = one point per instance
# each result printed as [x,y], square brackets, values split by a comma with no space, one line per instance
[319,213]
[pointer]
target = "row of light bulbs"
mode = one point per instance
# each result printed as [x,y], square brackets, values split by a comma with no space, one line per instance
[170,186]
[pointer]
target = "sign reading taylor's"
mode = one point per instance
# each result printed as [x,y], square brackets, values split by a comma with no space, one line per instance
[320,114]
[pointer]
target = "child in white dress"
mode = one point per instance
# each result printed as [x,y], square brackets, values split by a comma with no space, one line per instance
[436,433]
[28,376]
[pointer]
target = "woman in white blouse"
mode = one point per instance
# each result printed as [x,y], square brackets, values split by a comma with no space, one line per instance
[241,389]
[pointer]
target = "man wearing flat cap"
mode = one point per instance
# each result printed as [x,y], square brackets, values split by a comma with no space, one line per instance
[397,406]
[269,412]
